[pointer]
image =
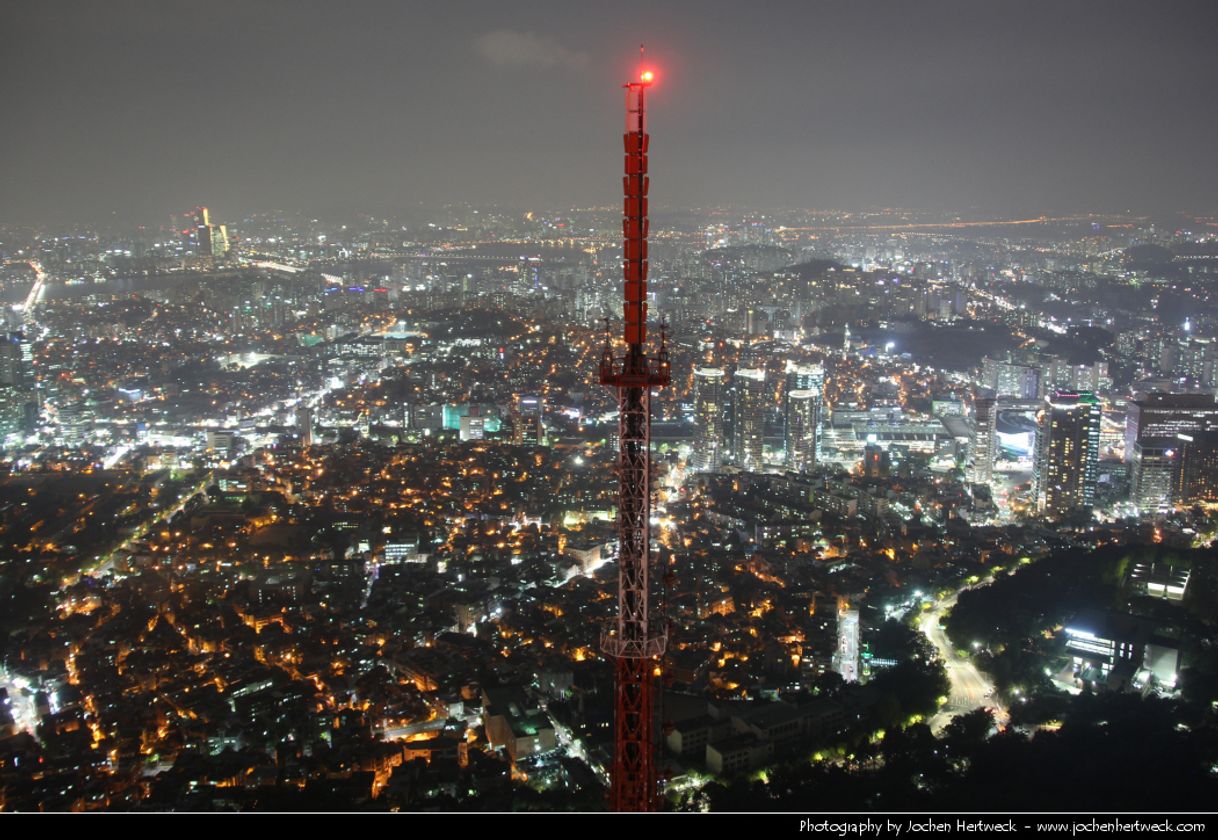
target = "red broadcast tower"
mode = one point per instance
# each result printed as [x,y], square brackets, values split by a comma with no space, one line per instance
[632,641]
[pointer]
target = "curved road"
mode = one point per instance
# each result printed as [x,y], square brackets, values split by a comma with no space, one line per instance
[970,689]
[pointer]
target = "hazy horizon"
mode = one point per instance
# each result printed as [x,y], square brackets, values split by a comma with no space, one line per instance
[132,111]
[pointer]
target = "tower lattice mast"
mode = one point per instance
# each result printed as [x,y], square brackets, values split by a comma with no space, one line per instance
[636,640]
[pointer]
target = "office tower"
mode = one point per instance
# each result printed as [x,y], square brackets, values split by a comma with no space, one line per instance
[73,421]
[708,419]
[203,232]
[18,394]
[212,239]
[1197,470]
[1152,426]
[1153,477]
[1067,452]
[803,423]
[13,414]
[219,240]
[304,418]
[751,404]
[1161,415]
[16,361]
[528,421]
[981,453]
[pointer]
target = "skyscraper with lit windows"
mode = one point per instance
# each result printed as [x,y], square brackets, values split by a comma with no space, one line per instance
[802,414]
[751,404]
[981,454]
[803,423]
[1067,452]
[708,419]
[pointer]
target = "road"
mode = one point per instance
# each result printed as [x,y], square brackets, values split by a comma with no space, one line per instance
[36,291]
[21,702]
[970,689]
[106,562]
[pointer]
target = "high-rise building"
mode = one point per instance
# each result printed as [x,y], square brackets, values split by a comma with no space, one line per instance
[528,421]
[16,361]
[981,453]
[1067,452]
[212,239]
[1198,357]
[802,430]
[1009,378]
[805,378]
[13,412]
[1152,425]
[219,240]
[802,415]
[1153,477]
[751,405]
[1197,472]
[1061,375]
[708,419]
[304,418]
[18,392]
[1162,415]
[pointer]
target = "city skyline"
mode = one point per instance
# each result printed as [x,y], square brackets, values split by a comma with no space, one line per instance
[520,462]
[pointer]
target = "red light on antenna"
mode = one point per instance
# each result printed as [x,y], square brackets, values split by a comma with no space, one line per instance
[647,77]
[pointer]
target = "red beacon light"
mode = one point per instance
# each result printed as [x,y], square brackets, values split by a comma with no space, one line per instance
[647,77]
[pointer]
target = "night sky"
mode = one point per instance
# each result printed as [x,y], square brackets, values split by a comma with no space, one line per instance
[131,110]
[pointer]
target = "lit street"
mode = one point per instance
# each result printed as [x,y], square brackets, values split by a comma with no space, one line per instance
[970,689]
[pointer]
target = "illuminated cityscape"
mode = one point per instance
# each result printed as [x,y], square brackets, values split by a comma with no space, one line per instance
[493,494]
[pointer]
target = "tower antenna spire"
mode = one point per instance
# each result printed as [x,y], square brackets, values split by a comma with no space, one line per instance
[633,640]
